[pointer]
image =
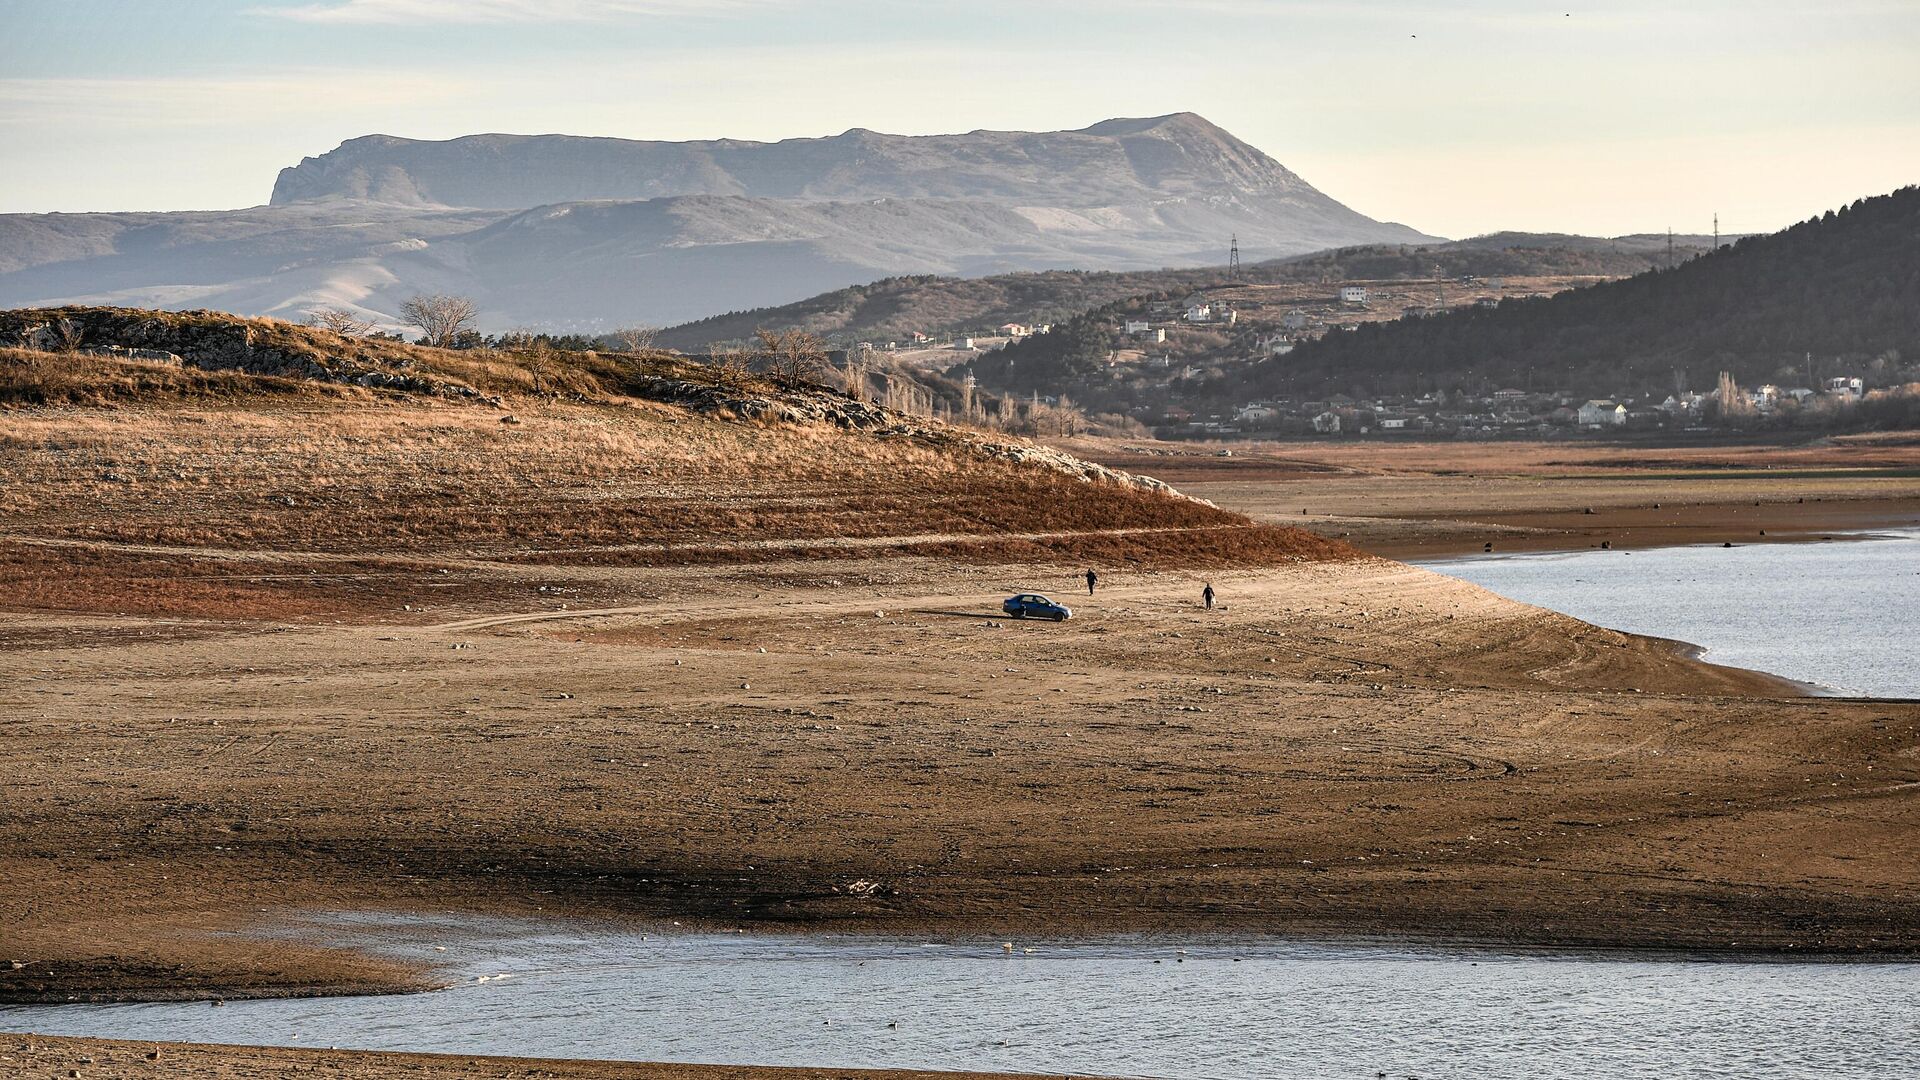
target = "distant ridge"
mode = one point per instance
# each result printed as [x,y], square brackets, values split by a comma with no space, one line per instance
[583,233]
[897,307]
[1115,161]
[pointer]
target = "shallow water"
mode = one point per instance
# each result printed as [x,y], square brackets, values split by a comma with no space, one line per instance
[1843,615]
[1270,1011]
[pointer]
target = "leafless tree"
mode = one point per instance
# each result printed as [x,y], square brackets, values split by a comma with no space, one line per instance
[441,319]
[339,320]
[731,367]
[533,351]
[857,374]
[634,338]
[67,334]
[791,356]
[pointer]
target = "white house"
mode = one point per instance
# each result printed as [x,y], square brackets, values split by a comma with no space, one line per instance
[1294,320]
[1250,414]
[1138,326]
[1353,294]
[1842,386]
[1200,313]
[1327,423]
[1276,344]
[1013,330]
[1602,413]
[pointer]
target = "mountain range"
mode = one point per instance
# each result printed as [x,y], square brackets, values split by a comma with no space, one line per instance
[568,232]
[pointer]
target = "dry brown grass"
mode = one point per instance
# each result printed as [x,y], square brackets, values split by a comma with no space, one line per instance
[280,352]
[29,377]
[218,494]
[569,479]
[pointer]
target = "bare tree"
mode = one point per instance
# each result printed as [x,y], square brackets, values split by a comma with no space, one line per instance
[857,374]
[339,320]
[634,338]
[791,356]
[730,365]
[67,334]
[533,350]
[441,319]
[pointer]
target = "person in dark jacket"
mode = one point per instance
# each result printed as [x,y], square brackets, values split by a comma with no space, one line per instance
[1206,595]
[1092,579]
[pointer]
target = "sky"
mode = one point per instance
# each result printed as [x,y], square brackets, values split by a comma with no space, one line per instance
[1456,118]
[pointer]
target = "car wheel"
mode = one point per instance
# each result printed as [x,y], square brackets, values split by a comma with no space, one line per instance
[1059,616]
[1021,614]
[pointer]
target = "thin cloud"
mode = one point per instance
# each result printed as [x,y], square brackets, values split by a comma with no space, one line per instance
[399,12]
[217,102]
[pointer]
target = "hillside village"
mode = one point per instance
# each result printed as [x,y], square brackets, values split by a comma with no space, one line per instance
[1505,413]
[1173,363]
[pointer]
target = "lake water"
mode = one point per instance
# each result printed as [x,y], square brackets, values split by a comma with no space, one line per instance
[1268,1011]
[1844,615]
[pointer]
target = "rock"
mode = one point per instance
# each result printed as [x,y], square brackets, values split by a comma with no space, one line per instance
[509,419]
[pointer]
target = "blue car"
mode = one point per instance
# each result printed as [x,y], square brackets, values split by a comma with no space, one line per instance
[1033,605]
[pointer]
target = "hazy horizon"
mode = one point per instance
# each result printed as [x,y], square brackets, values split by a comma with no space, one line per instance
[1601,119]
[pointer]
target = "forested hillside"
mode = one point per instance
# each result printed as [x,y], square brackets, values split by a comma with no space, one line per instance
[1844,287]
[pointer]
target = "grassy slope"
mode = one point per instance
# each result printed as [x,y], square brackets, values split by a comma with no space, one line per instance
[893,308]
[136,482]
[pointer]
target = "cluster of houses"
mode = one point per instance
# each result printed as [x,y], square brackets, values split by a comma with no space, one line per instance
[1508,412]
[981,341]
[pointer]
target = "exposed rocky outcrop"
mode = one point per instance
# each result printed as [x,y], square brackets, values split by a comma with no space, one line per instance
[215,341]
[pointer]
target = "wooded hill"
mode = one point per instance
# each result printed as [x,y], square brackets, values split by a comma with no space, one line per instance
[1842,286]
[894,308]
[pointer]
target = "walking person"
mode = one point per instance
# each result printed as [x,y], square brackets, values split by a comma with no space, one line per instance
[1206,595]
[1092,578]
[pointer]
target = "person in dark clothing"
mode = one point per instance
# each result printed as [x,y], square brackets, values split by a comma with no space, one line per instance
[1092,578]
[1206,594]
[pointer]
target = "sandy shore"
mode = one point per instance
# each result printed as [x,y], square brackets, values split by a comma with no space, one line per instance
[107,1059]
[1357,748]
[1431,500]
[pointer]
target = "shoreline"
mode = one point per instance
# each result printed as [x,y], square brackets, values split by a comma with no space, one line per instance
[1225,884]
[111,1059]
[1713,525]
[1538,532]
[1459,566]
